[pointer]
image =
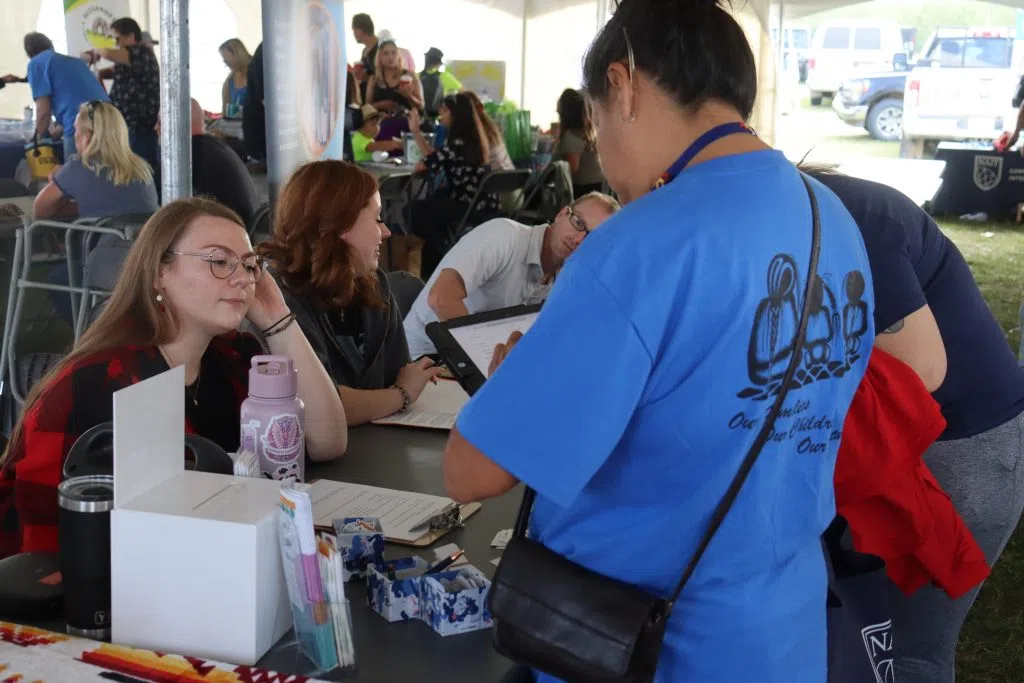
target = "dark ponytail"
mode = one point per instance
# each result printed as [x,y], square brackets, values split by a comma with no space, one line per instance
[694,50]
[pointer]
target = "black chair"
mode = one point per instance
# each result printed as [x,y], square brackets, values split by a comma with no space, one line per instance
[260,228]
[547,193]
[405,287]
[9,187]
[496,182]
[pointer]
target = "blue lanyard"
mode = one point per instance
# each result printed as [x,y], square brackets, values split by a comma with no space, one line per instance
[698,146]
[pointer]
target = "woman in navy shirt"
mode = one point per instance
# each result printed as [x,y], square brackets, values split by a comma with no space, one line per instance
[930,314]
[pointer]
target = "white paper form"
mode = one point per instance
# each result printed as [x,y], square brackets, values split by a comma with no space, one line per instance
[478,341]
[436,408]
[403,514]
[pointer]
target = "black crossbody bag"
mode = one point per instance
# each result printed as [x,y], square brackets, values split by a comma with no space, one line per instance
[561,618]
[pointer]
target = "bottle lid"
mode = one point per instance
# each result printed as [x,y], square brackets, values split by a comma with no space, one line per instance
[273,377]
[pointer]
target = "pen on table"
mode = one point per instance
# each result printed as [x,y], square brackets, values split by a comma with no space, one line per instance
[446,562]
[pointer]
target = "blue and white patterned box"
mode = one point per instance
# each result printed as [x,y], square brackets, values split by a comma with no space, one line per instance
[398,599]
[456,601]
[361,542]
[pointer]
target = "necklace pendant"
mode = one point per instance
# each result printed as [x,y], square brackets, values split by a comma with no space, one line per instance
[195,402]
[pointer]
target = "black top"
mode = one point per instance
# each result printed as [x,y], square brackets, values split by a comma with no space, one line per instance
[254,115]
[219,173]
[136,88]
[360,347]
[913,264]
[385,92]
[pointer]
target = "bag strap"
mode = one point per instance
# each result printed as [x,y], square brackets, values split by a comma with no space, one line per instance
[769,423]
[523,518]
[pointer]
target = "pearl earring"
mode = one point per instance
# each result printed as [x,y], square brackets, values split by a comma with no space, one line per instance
[159,298]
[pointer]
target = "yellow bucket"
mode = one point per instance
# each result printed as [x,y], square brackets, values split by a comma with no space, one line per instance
[41,158]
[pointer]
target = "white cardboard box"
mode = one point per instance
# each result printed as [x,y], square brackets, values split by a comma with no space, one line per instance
[195,564]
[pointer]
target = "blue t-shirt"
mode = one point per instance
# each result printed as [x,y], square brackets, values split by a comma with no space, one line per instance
[632,400]
[68,83]
[913,264]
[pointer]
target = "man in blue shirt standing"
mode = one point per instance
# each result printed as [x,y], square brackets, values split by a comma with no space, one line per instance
[60,85]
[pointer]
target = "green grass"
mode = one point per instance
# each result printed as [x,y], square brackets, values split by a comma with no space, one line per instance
[992,642]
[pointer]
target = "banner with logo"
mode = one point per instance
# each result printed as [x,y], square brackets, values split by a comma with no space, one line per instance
[486,79]
[87,23]
[305,71]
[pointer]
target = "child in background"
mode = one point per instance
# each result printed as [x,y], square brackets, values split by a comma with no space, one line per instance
[366,122]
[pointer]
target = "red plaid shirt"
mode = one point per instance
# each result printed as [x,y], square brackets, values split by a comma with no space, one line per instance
[80,398]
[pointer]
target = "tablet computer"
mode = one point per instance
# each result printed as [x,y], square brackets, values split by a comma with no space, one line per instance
[466,344]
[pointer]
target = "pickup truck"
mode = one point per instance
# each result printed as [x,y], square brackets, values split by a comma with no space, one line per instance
[874,102]
[961,89]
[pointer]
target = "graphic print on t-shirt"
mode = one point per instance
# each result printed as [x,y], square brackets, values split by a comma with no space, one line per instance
[832,343]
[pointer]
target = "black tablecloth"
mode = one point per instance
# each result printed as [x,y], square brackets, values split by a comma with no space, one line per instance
[979,180]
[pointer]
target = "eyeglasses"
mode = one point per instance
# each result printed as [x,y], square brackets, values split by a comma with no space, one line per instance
[90,109]
[577,222]
[223,263]
[632,74]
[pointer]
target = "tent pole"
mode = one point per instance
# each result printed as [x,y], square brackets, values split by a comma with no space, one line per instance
[522,66]
[175,105]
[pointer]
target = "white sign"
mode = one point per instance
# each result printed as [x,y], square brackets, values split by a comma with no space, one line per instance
[88,23]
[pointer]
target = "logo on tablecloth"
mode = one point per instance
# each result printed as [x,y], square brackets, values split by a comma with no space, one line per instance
[988,171]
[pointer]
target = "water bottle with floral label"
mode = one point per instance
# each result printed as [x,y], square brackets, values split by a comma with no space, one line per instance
[271,419]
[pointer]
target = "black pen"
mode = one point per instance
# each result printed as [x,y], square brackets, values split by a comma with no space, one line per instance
[446,562]
[120,677]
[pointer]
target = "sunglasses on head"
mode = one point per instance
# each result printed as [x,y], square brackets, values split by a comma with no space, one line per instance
[90,109]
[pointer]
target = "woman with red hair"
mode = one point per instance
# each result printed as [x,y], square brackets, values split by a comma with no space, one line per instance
[325,249]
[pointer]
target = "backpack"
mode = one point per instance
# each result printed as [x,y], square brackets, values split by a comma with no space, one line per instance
[433,92]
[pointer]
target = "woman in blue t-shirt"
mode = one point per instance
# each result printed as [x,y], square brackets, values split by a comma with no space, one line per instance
[631,401]
[932,316]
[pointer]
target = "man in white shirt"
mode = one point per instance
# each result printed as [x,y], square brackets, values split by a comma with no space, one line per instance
[502,263]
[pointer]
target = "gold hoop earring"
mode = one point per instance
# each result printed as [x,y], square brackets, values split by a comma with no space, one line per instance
[630,119]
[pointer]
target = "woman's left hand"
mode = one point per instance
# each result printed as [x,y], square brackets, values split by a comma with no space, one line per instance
[268,304]
[501,351]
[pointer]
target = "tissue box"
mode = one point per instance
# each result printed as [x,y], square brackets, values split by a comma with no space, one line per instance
[361,542]
[196,569]
[449,612]
[398,600]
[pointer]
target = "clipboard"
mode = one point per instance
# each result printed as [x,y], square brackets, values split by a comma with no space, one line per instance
[335,500]
[467,343]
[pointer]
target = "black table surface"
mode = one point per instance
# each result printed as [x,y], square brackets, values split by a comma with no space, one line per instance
[409,459]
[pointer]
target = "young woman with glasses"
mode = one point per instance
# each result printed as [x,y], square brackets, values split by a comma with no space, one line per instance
[190,279]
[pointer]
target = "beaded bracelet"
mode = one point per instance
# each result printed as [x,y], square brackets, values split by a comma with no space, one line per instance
[406,398]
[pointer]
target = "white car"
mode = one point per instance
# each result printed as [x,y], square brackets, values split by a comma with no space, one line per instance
[842,49]
[961,88]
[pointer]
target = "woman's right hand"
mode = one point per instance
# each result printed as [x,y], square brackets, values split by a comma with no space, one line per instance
[414,120]
[414,376]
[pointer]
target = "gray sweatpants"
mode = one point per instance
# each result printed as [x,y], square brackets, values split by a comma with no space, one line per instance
[984,477]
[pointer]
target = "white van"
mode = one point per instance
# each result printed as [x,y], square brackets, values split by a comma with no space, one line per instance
[845,47]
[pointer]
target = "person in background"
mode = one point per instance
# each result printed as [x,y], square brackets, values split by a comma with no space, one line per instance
[136,88]
[502,263]
[465,160]
[366,123]
[254,113]
[576,143]
[363,31]
[437,83]
[500,159]
[190,280]
[392,86]
[673,325]
[60,86]
[218,171]
[236,58]
[106,178]
[931,315]
[325,250]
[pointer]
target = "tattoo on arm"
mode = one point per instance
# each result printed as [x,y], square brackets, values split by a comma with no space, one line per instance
[895,327]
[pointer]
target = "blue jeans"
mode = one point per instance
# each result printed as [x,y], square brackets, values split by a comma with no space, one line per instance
[69,148]
[146,144]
